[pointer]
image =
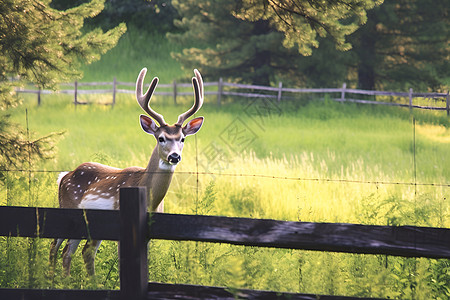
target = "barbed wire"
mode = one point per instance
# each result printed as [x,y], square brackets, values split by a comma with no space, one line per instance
[289,178]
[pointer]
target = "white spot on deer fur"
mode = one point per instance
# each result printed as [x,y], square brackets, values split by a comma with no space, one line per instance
[95,202]
[110,188]
[123,182]
[82,173]
[78,185]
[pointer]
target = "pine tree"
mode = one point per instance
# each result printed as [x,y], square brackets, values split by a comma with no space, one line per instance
[404,44]
[247,43]
[302,21]
[44,46]
[224,45]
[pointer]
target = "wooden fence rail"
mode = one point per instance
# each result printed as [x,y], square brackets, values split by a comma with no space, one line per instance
[133,227]
[221,89]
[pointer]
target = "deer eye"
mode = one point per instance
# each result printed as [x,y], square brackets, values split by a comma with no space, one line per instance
[161,139]
[182,140]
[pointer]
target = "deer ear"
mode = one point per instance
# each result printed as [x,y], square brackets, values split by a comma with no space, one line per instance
[193,126]
[148,125]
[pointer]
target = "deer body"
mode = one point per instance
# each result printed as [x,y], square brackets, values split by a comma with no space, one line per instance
[96,186]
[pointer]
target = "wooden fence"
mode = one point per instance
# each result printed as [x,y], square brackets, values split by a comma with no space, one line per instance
[220,89]
[133,227]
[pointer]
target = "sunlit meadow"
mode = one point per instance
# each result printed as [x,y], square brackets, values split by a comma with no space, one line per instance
[302,160]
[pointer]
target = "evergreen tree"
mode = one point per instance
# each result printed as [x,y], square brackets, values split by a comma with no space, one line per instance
[44,46]
[301,21]
[149,15]
[404,44]
[225,40]
[226,46]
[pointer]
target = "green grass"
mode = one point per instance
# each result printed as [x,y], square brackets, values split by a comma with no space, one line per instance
[317,161]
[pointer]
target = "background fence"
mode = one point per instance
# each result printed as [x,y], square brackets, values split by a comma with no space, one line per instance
[133,227]
[221,88]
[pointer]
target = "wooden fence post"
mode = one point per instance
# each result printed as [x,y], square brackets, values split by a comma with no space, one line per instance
[447,105]
[75,94]
[133,243]
[39,97]
[344,86]
[280,90]
[175,92]
[219,91]
[114,91]
[410,98]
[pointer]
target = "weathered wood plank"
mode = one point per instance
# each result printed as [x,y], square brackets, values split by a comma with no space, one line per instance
[162,291]
[133,243]
[184,291]
[321,90]
[405,241]
[100,91]
[248,95]
[62,223]
[388,103]
[251,86]
[45,294]
[352,238]
[94,83]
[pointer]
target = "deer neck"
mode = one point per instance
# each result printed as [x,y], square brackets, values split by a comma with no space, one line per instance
[157,178]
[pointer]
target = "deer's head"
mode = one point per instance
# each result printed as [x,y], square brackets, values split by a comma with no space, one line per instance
[169,138]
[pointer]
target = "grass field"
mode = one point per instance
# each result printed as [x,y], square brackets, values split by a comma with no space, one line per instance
[302,160]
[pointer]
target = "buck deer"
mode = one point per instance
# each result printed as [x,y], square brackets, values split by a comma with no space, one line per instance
[96,186]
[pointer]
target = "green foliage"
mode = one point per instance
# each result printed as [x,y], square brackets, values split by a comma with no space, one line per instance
[44,46]
[252,51]
[221,45]
[260,42]
[19,150]
[398,49]
[302,21]
[154,15]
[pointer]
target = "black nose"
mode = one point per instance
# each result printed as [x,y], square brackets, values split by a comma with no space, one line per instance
[174,158]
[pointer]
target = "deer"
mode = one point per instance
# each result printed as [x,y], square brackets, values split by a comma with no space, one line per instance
[96,186]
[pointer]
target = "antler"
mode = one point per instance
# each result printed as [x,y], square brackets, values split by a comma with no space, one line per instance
[144,100]
[197,83]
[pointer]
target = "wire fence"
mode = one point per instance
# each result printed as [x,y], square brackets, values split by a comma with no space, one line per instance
[289,178]
[238,135]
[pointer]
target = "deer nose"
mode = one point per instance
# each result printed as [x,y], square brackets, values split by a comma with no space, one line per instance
[174,158]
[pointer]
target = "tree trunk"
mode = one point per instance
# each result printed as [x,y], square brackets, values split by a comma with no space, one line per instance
[367,54]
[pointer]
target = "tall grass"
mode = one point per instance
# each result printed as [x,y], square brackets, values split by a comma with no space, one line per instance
[321,162]
[317,161]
